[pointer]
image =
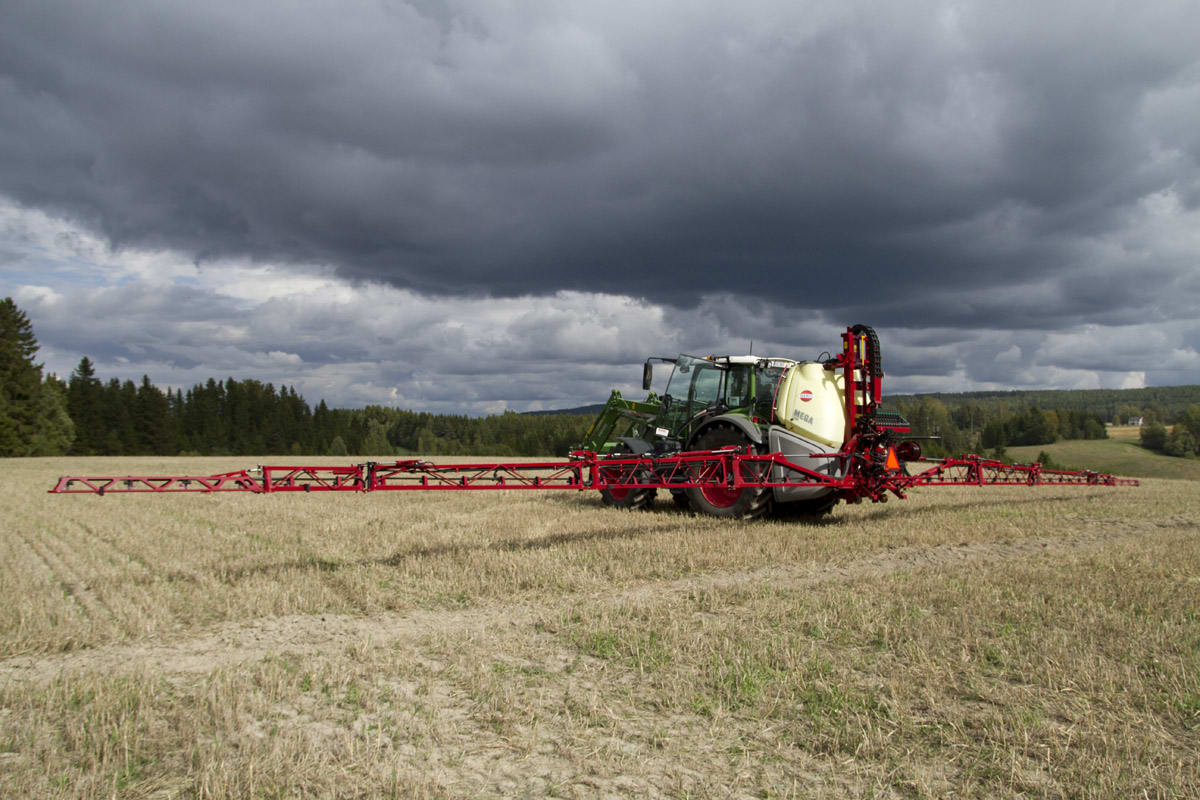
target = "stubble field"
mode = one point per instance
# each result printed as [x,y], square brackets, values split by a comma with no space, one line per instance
[972,643]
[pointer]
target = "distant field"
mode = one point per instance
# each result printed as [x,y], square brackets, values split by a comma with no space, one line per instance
[1120,455]
[1124,433]
[1003,642]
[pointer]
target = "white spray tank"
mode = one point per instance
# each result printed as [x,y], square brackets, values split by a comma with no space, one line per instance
[811,402]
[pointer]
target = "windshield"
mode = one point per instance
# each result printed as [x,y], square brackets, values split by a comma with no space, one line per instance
[706,387]
[698,383]
[687,369]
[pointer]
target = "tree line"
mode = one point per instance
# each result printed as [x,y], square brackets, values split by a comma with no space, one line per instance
[992,421]
[248,417]
[978,427]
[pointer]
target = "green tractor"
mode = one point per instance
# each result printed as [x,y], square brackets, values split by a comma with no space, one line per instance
[709,403]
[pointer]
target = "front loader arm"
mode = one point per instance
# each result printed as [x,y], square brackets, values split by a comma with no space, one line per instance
[636,415]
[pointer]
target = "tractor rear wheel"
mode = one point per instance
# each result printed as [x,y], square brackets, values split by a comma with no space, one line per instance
[627,498]
[721,501]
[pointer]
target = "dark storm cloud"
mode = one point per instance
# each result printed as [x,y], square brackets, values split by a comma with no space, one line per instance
[351,348]
[932,163]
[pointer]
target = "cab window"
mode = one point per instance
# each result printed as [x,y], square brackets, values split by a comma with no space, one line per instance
[767,379]
[706,387]
[739,386]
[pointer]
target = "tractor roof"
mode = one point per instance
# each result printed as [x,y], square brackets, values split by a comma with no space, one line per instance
[775,362]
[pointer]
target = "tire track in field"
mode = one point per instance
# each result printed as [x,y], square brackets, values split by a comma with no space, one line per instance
[111,564]
[238,642]
[81,562]
[75,591]
[75,584]
[132,561]
[35,561]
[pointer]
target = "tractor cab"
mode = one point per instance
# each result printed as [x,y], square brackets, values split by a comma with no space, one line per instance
[699,390]
[702,388]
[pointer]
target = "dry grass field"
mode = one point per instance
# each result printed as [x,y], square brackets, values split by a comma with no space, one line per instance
[963,643]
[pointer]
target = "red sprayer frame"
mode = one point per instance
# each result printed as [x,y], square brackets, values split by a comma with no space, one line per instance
[732,467]
[869,466]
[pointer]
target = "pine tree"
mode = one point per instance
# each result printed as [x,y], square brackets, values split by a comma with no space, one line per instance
[152,420]
[20,380]
[33,418]
[118,406]
[55,431]
[10,441]
[322,428]
[84,398]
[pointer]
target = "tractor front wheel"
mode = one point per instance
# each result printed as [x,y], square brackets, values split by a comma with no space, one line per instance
[722,501]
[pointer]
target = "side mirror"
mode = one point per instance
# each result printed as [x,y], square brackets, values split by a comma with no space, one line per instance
[647,376]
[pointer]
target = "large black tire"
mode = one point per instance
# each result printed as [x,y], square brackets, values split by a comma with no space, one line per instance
[718,501]
[632,499]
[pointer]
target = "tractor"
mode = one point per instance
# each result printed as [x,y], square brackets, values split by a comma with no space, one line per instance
[763,405]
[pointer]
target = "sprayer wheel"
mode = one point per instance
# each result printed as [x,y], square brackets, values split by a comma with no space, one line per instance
[720,501]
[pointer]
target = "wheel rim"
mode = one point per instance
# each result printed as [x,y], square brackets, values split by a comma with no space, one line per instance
[618,494]
[720,496]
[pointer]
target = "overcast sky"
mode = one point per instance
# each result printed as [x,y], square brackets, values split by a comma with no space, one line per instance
[472,206]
